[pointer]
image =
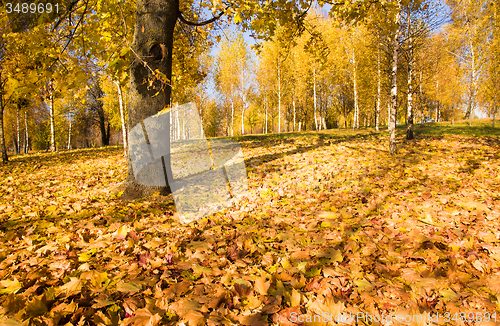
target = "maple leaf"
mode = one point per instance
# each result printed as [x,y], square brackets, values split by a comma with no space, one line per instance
[143,317]
[10,286]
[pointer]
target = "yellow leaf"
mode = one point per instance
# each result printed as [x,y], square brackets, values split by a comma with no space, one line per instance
[295,298]
[85,256]
[10,286]
[363,284]
[73,286]
[237,18]
[261,285]
[449,295]
[128,287]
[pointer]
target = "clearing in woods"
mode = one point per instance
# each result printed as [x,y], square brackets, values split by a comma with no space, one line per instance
[331,224]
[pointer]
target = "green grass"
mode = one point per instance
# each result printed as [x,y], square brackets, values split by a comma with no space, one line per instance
[479,127]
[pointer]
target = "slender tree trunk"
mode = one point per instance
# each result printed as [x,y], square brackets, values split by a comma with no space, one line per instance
[52,124]
[26,137]
[473,90]
[379,89]
[437,100]
[293,103]
[232,118]
[122,117]
[153,44]
[279,96]
[420,98]
[394,88]
[409,130]
[265,126]
[314,90]
[355,123]
[389,112]
[18,132]
[242,119]
[5,157]
[69,133]
[300,125]
[184,125]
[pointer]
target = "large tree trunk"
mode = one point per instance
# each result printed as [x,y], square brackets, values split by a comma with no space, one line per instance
[52,123]
[122,117]
[153,43]
[394,88]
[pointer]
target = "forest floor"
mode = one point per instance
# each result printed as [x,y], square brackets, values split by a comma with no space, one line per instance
[332,224]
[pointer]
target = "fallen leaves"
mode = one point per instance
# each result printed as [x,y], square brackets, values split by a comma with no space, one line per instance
[327,229]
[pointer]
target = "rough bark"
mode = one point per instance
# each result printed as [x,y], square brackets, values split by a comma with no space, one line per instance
[394,87]
[153,44]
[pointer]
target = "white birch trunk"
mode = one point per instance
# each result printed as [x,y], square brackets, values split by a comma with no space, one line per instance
[26,137]
[355,123]
[279,97]
[293,103]
[69,132]
[409,130]
[52,124]
[379,89]
[242,119]
[232,118]
[473,91]
[314,89]
[394,88]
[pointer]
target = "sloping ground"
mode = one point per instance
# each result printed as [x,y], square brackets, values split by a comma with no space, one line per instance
[331,225]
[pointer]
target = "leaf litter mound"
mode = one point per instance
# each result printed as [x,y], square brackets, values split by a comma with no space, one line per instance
[330,226]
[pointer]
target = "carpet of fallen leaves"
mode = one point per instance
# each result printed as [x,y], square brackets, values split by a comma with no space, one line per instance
[330,225]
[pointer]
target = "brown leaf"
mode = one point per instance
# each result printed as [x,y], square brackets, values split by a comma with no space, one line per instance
[272,306]
[314,285]
[143,317]
[253,319]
